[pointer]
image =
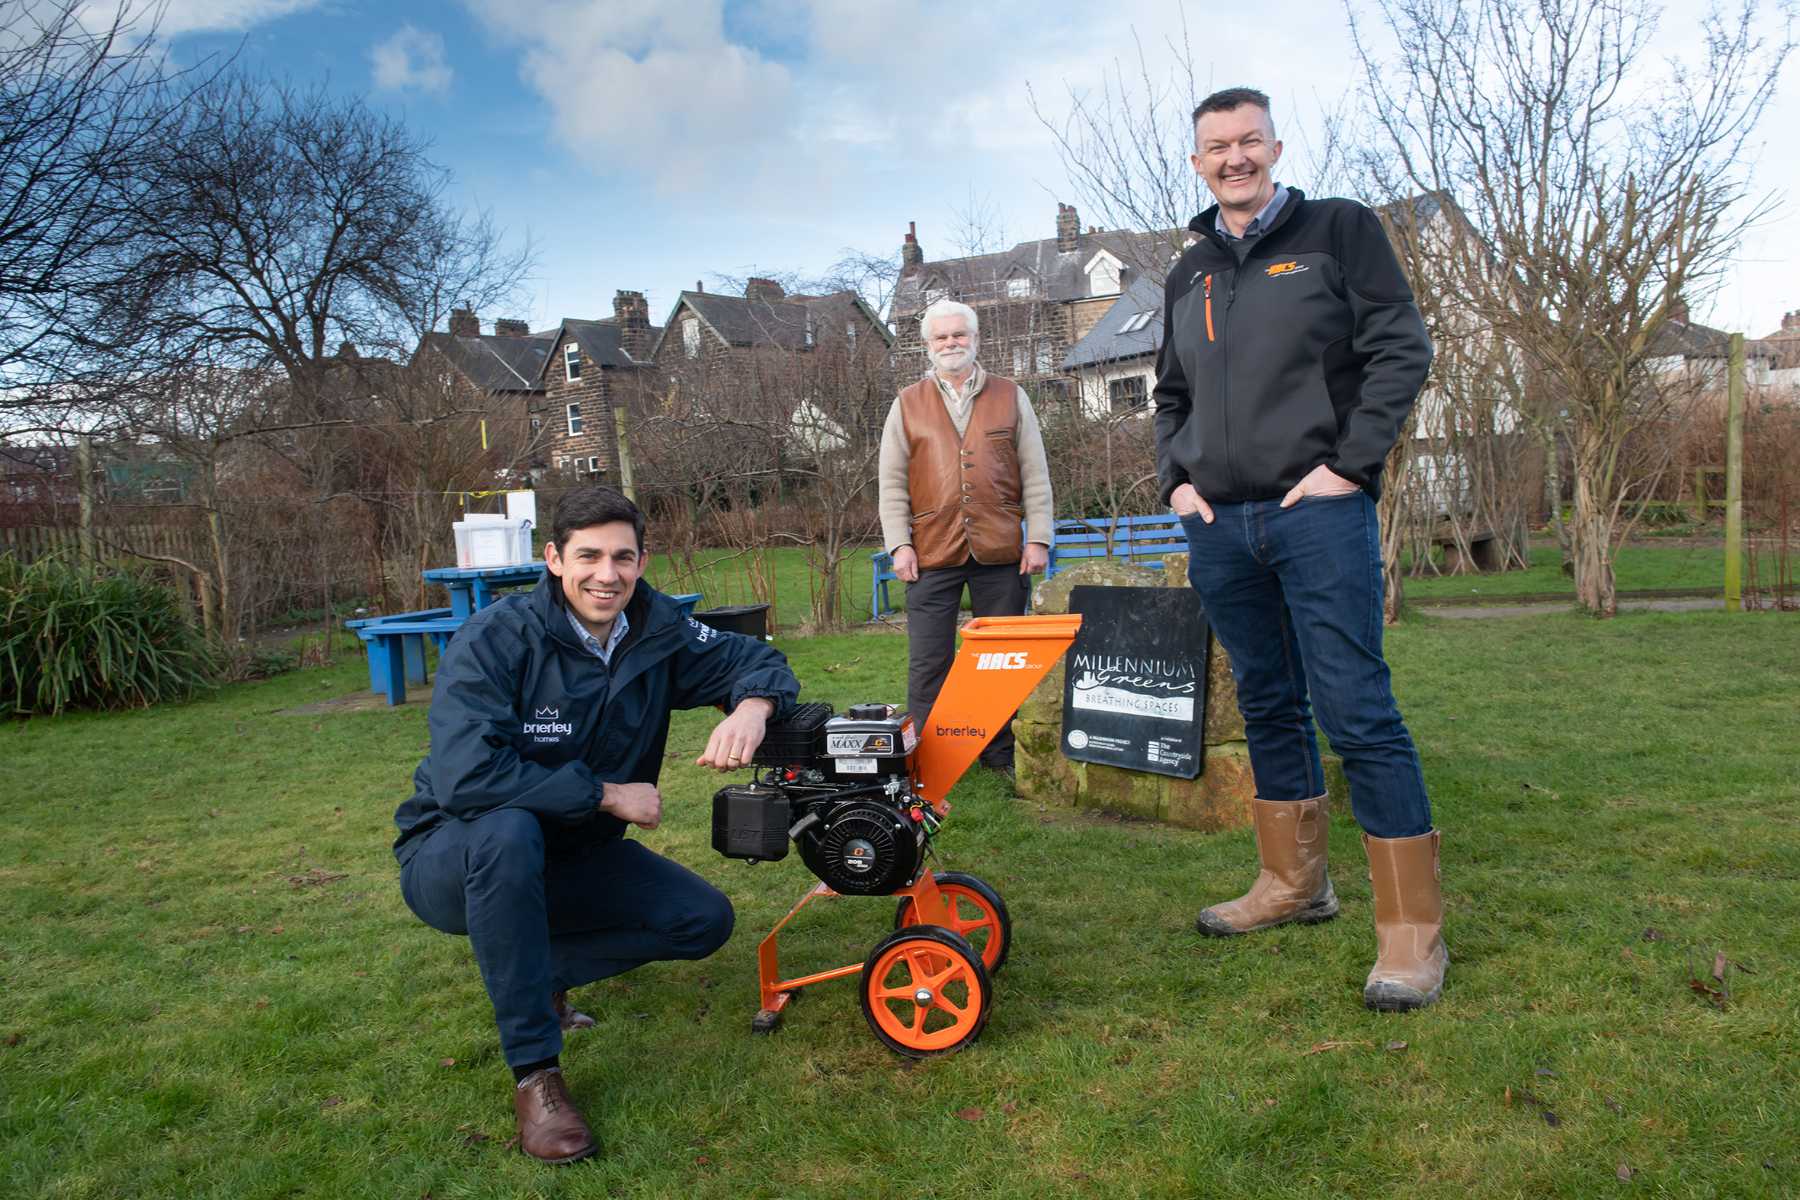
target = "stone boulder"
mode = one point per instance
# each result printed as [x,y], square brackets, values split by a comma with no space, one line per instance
[1218,799]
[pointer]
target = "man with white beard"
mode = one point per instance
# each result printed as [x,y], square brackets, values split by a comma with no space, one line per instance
[962,462]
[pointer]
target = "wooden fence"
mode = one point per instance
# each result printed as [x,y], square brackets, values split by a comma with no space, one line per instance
[31,542]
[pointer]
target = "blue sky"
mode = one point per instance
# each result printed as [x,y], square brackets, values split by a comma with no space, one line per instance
[646,144]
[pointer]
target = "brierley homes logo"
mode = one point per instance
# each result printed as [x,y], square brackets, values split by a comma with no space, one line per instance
[548,723]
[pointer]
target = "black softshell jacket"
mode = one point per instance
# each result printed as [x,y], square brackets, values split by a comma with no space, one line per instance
[524,716]
[1310,352]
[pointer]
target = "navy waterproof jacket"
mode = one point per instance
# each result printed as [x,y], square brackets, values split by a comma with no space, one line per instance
[523,716]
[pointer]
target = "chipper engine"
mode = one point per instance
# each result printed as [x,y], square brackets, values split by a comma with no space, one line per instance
[862,796]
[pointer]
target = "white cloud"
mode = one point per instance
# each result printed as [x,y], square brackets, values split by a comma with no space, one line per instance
[412,59]
[646,87]
[204,16]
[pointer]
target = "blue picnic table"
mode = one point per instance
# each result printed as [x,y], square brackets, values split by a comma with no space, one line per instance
[474,588]
[395,642]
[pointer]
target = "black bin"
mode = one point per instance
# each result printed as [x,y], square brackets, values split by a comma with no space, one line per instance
[752,619]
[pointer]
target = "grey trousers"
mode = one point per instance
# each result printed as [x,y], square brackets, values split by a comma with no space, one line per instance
[932,603]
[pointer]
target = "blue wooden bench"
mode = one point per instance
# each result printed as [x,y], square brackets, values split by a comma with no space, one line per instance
[1142,540]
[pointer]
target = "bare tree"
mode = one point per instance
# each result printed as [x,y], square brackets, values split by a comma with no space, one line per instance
[1125,148]
[77,107]
[1599,199]
[278,224]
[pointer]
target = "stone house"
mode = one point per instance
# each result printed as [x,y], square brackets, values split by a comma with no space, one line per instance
[767,348]
[499,375]
[548,396]
[1035,301]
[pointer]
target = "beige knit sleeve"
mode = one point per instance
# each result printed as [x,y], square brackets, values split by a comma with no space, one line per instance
[894,499]
[1034,475]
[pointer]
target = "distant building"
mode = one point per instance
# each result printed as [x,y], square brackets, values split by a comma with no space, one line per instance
[1035,301]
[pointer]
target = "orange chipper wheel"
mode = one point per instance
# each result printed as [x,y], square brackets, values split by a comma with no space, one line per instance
[1000,660]
[925,992]
[976,912]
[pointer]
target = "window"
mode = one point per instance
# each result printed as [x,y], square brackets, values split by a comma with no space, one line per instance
[572,361]
[593,464]
[574,411]
[1018,287]
[537,424]
[807,335]
[562,462]
[690,336]
[1021,358]
[935,291]
[1103,275]
[1045,359]
[850,335]
[1138,321]
[1128,393]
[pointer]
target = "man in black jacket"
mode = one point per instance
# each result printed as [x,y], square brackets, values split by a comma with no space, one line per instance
[1292,353]
[548,725]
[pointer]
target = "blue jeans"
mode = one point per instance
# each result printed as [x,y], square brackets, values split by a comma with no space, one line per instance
[1295,595]
[543,917]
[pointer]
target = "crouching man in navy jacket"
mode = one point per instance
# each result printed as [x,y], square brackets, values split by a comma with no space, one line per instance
[548,725]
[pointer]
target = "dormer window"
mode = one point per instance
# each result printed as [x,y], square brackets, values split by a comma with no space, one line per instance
[1018,287]
[690,336]
[1103,275]
[572,361]
[935,291]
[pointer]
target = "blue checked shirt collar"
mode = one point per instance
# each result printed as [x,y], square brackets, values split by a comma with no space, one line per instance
[1260,223]
[592,643]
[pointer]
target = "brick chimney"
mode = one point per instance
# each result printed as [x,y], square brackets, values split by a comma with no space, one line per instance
[758,288]
[1678,311]
[1790,321]
[511,327]
[347,350]
[912,255]
[1068,228]
[464,323]
[632,312]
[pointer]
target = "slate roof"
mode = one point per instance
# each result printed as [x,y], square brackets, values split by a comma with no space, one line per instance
[1058,275]
[1122,332]
[495,363]
[599,341]
[1689,340]
[761,321]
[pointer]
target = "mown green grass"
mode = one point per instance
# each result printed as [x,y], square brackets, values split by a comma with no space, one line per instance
[1638,566]
[191,1009]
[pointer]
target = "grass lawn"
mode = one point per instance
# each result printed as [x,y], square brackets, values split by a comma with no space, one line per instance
[1643,565]
[212,989]
[1639,565]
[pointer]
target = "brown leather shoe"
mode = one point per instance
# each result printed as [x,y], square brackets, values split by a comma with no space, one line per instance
[550,1126]
[1410,955]
[1292,885]
[568,1017]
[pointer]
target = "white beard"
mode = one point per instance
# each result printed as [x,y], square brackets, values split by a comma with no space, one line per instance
[953,360]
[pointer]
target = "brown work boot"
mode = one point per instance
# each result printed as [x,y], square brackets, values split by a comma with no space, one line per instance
[550,1126]
[1409,922]
[1293,885]
[567,1016]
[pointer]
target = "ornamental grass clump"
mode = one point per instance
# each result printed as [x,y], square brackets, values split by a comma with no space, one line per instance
[74,637]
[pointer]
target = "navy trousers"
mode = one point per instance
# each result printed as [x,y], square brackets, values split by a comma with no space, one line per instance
[1295,596]
[543,917]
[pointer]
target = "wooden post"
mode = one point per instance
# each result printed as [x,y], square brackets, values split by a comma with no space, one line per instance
[1734,479]
[625,483]
[84,483]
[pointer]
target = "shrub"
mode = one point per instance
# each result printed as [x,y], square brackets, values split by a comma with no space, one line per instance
[73,637]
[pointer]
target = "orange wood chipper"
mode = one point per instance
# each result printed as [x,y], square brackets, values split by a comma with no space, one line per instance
[862,796]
